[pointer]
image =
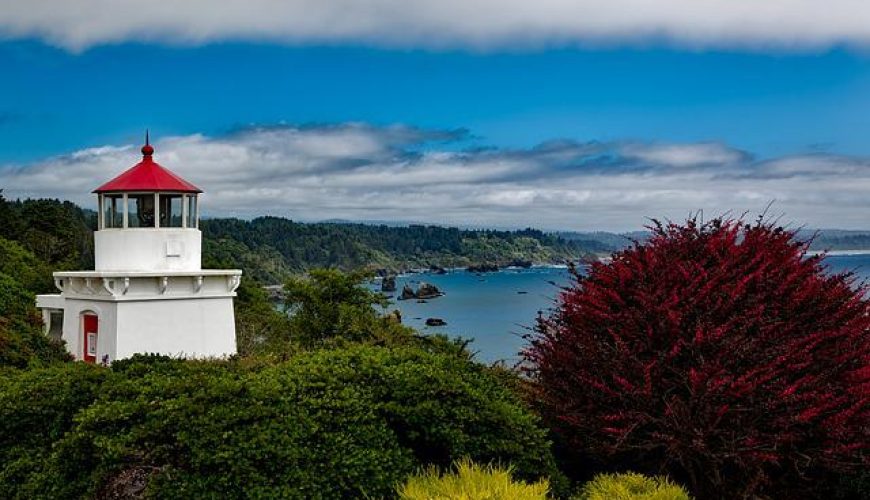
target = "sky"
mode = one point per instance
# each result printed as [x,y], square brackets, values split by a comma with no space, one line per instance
[582,114]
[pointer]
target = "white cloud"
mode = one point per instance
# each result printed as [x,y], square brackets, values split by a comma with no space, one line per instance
[363,172]
[685,155]
[481,24]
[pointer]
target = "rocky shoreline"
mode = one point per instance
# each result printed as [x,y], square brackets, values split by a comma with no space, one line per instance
[480,268]
[387,283]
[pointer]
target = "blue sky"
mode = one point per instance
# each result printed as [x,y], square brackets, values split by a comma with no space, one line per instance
[523,115]
[780,103]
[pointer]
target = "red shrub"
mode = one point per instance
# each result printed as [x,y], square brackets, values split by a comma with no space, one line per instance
[718,352]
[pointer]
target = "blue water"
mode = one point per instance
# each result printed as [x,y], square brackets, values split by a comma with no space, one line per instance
[490,308]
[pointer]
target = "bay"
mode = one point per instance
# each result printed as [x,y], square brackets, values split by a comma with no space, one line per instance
[497,310]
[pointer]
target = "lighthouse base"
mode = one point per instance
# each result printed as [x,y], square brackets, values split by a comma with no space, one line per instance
[110,316]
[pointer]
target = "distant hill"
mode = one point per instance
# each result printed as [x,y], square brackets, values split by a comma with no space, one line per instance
[822,239]
[270,249]
[604,241]
[274,247]
[836,239]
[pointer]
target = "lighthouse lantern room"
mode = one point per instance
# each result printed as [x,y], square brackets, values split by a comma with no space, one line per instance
[148,292]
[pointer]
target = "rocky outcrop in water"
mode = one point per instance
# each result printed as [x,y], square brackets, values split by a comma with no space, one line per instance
[424,291]
[428,291]
[388,284]
[407,293]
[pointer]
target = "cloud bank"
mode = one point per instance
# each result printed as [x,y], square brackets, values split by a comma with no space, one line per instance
[363,172]
[477,24]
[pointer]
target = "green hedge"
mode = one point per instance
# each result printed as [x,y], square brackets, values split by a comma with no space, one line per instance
[36,410]
[329,424]
[441,407]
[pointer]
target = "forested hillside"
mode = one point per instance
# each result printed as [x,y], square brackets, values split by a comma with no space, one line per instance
[273,247]
[47,235]
[270,249]
[831,239]
[820,239]
[59,233]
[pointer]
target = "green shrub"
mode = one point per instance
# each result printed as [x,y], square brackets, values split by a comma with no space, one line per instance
[22,266]
[36,409]
[139,365]
[17,304]
[339,423]
[471,481]
[196,430]
[631,486]
[22,341]
[441,407]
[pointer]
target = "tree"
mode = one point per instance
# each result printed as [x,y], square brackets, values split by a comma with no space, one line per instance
[22,266]
[58,233]
[261,328]
[328,304]
[9,223]
[719,352]
[22,341]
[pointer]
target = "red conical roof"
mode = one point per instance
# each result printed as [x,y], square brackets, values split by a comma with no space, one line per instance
[147,175]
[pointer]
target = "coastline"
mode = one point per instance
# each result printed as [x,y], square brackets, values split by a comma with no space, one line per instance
[839,253]
[451,270]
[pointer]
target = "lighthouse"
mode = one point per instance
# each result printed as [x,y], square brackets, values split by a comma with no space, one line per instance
[148,292]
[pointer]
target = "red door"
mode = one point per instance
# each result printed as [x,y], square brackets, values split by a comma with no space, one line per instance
[90,338]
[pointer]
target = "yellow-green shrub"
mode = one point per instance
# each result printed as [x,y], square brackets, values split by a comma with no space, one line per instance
[631,486]
[471,481]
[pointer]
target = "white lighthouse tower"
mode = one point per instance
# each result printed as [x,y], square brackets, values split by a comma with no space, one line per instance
[148,292]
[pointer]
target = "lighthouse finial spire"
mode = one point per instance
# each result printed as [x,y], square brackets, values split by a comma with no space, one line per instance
[147,149]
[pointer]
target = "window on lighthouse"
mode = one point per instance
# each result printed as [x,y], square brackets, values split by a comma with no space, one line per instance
[140,210]
[191,211]
[113,211]
[170,210]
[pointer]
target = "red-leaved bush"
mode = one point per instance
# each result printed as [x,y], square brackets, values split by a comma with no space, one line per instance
[717,352]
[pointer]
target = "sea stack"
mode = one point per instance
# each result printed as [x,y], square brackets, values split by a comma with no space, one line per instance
[388,284]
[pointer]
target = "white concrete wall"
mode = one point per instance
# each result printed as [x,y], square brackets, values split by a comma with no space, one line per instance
[50,301]
[106,323]
[192,328]
[148,249]
[138,285]
[46,303]
[176,313]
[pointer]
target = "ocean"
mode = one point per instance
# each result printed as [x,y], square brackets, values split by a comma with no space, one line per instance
[496,310]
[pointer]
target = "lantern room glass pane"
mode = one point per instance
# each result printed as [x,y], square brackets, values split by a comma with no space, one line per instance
[140,210]
[113,214]
[191,211]
[170,210]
